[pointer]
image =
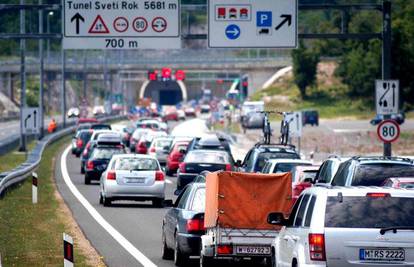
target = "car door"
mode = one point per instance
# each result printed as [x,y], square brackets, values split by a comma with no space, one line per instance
[282,250]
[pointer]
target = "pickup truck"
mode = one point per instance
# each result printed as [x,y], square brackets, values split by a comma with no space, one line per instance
[237,205]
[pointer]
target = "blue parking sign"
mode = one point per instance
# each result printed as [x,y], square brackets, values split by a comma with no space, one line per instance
[264,18]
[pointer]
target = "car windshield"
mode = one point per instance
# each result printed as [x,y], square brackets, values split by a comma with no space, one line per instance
[263,157]
[163,143]
[368,212]
[207,157]
[376,173]
[105,153]
[136,164]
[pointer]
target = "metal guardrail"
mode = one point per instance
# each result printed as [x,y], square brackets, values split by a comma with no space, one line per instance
[20,173]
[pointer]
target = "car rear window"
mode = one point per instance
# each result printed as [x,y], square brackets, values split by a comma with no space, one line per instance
[105,153]
[287,167]
[136,164]
[263,157]
[199,201]
[85,135]
[207,157]
[375,174]
[368,212]
[163,143]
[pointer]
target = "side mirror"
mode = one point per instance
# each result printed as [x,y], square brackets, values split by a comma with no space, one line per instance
[168,203]
[177,192]
[276,218]
[163,169]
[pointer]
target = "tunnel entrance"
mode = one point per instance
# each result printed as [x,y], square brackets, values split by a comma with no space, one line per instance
[164,93]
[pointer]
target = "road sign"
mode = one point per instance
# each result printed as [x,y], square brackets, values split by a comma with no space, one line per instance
[387,96]
[388,131]
[252,23]
[121,24]
[295,123]
[31,120]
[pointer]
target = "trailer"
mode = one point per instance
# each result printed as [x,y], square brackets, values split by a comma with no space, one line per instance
[237,205]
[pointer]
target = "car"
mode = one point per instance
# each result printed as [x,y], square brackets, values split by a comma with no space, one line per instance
[98,111]
[73,113]
[171,114]
[399,118]
[190,112]
[181,114]
[328,169]
[371,171]
[400,182]
[98,161]
[210,142]
[183,225]
[132,177]
[136,136]
[149,124]
[87,120]
[145,141]
[310,117]
[160,147]
[303,177]
[83,126]
[175,156]
[197,161]
[251,106]
[284,165]
[204,108]
[257,156]
[101,126]
[201,178]
[346,226]
[80,140]
[253,120]
[126,132]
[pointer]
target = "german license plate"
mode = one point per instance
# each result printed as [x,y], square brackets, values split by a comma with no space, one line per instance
[135,180]
[382,254]
[252,250]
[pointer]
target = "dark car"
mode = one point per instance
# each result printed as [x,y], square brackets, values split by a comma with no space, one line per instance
[101,127]
[209,142]
[197,161]
[399,118]
[256,158]
[310,117]
[371,171]
[80,140]
[98,161]
[183,225]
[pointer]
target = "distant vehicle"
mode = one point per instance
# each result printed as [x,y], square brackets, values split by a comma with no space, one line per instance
[136,136]
[145,141]
[80,140]
[235,215]
[257,156]
[401,182]
[176,156]
[132,177]
[181,114]
[87,120]
[345,227]
[205,109]
[310,117]
[73,113]
[197,161]
[183,225]
[159,148]
[98,161]
[371,171]
[251,106]
[98,110]
[253,120]
[101,127]
[399,118]
[126,132]
[171,114]
[328,169]
[210,142]
[190,112]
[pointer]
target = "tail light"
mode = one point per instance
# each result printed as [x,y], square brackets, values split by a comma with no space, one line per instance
[152,150]
[228,167]
[225,249]
[378,195]
[298,188]
[176,156]
[89,165]
[195,225]
[159,176]
[111,175]
[85,152]
[317,247]
[79,143]
[182,167]
[88,145]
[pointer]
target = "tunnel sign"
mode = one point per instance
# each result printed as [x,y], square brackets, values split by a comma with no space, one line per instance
[121,24]
[252,24]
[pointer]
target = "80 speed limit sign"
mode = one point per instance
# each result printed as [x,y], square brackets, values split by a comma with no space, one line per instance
[388,131]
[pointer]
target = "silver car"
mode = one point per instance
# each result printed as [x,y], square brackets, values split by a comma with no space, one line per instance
[160,148]
[132,177]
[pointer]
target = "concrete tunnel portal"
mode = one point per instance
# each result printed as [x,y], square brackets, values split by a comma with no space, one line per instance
[164,92]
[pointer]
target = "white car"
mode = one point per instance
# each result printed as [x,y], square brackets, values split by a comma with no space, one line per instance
[132,177]
[98,110]
[73,113]
[160,148]
[347,226]
[181,114]
[284,165]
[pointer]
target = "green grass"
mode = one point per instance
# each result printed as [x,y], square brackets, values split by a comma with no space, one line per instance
[13,159]
[31,235]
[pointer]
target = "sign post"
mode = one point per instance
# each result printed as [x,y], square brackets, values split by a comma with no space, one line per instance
[252,23]
[34,187]
[121,24]
[295,125]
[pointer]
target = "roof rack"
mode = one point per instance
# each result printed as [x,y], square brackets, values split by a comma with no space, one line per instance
[359,158]
[274,144]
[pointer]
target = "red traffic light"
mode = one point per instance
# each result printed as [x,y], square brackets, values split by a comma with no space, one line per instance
[180,75]
[166,73]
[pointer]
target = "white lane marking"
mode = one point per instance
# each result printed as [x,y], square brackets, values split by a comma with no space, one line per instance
[168,181]
[138,255]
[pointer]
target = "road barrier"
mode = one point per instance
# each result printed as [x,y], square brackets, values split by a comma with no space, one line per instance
[34,157]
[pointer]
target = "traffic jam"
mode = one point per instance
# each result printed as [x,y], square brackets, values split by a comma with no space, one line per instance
[273,208]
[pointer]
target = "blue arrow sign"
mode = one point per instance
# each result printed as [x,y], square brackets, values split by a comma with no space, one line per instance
[232,31]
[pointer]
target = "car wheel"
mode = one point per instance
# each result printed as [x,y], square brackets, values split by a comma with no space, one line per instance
[157,202]
[87,179]
[82,170]
[179,258]
[206,261]
[168,172]
[106,201]
[166,252]
[273,259]
[100,198]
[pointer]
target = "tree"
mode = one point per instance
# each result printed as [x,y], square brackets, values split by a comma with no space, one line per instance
[305,63]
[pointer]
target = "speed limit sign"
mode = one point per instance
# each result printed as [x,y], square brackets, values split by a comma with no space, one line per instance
[388,131]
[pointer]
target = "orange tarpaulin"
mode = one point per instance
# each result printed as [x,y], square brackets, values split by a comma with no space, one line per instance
[243,200]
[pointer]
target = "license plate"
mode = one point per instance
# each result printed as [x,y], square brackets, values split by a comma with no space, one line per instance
[252,250]
[381,254]
[135,180]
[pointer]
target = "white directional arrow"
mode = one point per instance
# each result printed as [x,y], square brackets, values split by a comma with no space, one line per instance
[234,32]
